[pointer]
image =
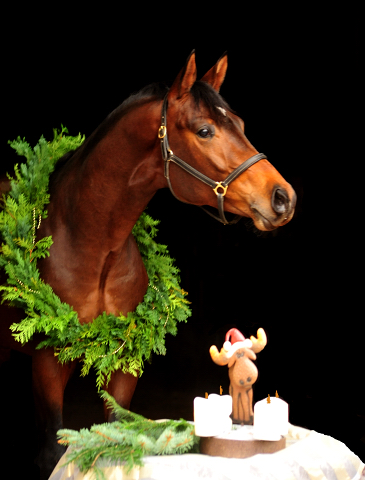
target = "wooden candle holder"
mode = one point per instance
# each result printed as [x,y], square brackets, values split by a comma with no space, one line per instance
[230,447]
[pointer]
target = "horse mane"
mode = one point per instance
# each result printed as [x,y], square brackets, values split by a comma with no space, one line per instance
[202,92]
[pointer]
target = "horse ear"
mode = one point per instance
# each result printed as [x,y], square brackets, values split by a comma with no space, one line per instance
[216,74]
[185,80]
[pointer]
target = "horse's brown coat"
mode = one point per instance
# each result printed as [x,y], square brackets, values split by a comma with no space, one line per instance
[96,198]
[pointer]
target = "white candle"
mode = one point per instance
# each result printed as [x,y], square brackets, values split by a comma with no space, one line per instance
[211,415]
[283,414]
[266,422]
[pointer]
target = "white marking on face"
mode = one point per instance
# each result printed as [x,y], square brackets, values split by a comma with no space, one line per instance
[221,110]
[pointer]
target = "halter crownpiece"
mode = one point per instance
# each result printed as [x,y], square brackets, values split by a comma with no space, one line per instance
[219,188]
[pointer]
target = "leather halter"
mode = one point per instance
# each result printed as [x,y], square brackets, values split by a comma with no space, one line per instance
[219,188]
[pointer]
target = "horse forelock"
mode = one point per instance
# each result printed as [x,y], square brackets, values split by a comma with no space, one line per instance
[217,107]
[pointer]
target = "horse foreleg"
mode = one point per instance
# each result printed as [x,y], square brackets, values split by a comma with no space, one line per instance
[49,382]
[121,386]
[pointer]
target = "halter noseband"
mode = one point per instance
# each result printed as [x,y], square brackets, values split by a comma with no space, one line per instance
[219,188]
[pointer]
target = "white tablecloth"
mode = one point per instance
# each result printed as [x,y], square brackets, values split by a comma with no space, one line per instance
[308,456]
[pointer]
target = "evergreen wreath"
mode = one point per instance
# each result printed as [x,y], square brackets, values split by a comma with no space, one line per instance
[127,440]
[109,342]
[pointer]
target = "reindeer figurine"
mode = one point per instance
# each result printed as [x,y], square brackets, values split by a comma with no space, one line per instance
[237,354]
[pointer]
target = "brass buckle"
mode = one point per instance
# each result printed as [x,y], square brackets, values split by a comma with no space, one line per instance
[162,132]
[219,185]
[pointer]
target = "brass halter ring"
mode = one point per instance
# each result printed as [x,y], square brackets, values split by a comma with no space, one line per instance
[219,185]
[162,132]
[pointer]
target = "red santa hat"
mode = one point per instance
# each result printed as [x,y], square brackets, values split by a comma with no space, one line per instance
[235,340]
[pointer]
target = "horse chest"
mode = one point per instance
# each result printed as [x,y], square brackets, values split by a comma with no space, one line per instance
[93,281]
[122,285]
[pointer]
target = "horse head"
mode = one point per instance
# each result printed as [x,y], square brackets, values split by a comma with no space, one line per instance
[204,131]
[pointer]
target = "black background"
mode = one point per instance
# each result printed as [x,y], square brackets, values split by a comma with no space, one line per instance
[297,282]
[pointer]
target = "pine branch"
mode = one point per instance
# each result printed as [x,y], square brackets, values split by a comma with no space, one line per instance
[127,440]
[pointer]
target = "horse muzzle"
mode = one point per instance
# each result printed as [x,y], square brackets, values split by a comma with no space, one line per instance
[281,212]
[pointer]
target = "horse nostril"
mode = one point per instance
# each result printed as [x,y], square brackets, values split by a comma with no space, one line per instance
[280,201]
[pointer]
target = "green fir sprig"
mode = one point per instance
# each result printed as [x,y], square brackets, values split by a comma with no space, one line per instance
[110,342]
[127,440]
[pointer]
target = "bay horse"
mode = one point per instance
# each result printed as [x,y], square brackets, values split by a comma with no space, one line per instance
[186,138]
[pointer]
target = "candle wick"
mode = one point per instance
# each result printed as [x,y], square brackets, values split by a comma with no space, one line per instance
[206,394]
[268,399]
[276,394]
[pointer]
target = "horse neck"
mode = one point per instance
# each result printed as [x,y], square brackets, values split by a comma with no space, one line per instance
[106,189]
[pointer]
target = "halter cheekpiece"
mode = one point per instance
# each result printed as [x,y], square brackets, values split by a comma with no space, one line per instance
[219,188]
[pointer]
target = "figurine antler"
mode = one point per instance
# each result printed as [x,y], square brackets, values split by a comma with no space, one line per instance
[220,358]
[258,343]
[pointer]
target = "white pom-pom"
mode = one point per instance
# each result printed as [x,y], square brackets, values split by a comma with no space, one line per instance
[227,345]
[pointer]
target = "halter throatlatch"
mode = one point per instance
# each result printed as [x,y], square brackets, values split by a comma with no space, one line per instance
[219,188]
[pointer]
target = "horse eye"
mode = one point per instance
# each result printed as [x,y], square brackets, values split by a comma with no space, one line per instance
[205,132]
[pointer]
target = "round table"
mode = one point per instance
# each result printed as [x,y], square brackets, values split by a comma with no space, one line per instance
[308,455]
